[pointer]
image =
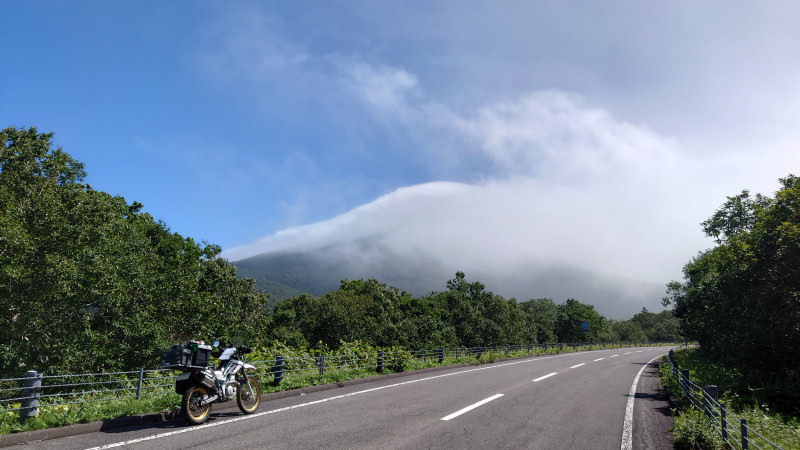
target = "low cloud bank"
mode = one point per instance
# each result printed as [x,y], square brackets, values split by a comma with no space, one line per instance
[574,203]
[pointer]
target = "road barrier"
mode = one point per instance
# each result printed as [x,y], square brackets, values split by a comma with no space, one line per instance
[734,431]
[37,391]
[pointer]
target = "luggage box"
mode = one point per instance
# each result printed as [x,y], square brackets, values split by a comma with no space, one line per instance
[188,355]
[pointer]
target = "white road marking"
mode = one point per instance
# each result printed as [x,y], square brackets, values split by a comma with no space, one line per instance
[627,427]
[471,407]
[599,359]
[577,365]
[546,376]
[638,351]
[613,356]
[628,353]
[253,416]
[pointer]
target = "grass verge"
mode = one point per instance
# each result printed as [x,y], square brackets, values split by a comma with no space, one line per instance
[693,430]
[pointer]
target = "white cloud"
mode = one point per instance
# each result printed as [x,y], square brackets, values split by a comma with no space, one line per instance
[569,201]
[578,192]
[381,87]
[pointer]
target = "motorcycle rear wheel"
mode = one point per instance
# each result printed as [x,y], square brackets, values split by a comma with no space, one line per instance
[191,408]
[248,395]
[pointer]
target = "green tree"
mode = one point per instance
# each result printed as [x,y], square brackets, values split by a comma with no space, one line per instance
[628,331]
[572,314]
[544,313]
[88,281]
[740,298]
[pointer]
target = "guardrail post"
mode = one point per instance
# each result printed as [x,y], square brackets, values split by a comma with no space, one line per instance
[425,355]
[139,384]
[277,370]
[683,382]
[723,418]
[745,441]
[479,349]
[322,364]
[30,402]
[441,355]
[380,361]
[709,392]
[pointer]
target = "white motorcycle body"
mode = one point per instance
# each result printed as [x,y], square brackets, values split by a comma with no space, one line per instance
[202,386]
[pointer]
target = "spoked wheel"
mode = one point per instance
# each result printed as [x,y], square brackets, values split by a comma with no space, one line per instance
[193,411]
[248,395]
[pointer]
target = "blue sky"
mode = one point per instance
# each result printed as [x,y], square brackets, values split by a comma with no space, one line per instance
[593,136]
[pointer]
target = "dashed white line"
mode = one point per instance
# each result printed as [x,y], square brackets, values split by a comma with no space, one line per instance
[599,359]
[471,407]
[546,376]
[274,411]
[613,356]
[576,365]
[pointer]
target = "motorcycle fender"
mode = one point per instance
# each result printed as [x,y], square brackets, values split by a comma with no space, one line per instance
[182,383]
[249,366]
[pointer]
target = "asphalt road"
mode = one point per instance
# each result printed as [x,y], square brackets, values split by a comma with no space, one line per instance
[567,401]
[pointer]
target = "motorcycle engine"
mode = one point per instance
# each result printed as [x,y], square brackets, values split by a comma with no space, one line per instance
[230,389]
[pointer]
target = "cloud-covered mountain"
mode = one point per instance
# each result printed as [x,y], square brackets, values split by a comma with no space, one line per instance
[575,204]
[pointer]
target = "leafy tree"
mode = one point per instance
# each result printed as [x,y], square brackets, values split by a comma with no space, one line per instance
[544,313]
[660,327]
[628,331]
[572,314]
[740,298]
[89,282]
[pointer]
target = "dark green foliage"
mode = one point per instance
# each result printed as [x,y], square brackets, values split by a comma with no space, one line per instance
[661,327]
[88,282]
[544,313]
[465,315]
[741,299]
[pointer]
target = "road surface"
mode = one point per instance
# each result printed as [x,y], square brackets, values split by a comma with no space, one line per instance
[567,401]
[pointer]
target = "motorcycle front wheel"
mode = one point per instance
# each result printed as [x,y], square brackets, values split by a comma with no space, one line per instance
[193,411]
[248,395]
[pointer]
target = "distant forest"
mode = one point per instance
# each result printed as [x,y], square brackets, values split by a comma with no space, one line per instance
[88,283]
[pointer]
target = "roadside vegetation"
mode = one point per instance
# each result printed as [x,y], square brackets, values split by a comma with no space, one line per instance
[351,360]
[745,400]
[741,302]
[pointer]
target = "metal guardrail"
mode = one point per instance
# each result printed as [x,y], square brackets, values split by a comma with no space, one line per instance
[36,391]
[734,431]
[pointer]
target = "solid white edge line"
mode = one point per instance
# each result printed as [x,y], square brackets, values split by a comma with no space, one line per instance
[259,414]
[253,416]
[546,376]
[577,365]
[627,427]
[471,407]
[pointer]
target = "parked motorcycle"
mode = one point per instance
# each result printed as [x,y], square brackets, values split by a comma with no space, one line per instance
[201,384]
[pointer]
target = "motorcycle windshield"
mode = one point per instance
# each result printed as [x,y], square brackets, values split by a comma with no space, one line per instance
[227,354]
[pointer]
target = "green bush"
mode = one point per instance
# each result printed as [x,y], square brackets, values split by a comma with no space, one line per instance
[692,430]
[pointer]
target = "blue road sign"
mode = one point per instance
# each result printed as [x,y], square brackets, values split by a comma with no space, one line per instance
[585,327]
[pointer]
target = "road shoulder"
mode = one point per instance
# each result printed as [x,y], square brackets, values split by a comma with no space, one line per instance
[652,415]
